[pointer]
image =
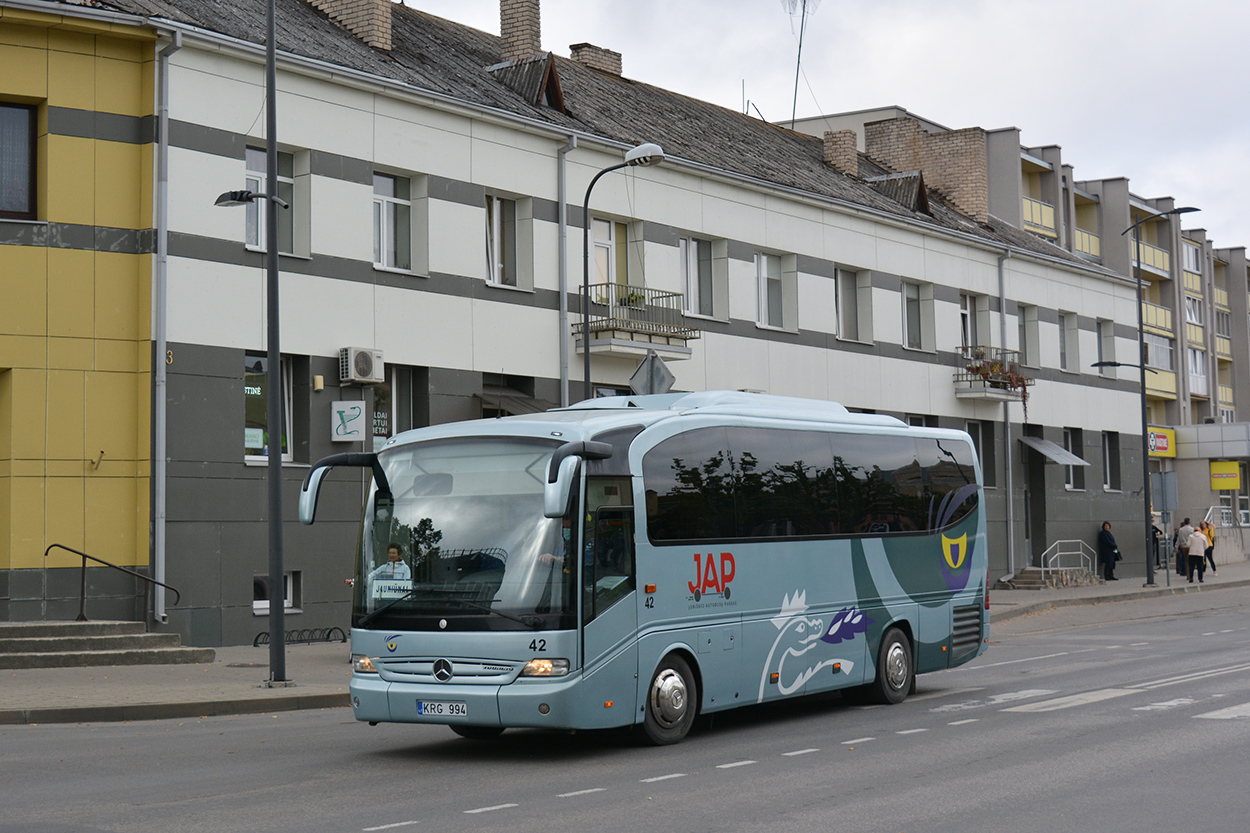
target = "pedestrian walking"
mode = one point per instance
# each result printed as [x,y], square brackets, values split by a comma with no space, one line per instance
[1108,552]
[1208,529]
[1197,555]
[1181,542]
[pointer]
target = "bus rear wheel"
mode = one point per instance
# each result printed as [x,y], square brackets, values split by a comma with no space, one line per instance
[672,699]
[895,671]
[477,732]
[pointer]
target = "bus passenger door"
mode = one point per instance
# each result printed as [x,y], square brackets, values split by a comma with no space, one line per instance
[609,612]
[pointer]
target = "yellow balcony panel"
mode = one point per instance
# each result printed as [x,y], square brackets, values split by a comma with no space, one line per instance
[1038,216]
[1157,318]
[24,310]
[1195,335]
[1193,283]
[1152,257]
[1087,243]
[1225,393]
[1220,297]
[25,71]
[70,179]
[70,292]
[1161,384]
[1224,347]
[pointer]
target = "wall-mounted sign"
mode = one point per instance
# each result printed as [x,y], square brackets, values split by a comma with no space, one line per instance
[347,422]
[1162,442]
[1225,475]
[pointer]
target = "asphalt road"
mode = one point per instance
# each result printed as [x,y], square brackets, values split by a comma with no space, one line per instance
[1128,716]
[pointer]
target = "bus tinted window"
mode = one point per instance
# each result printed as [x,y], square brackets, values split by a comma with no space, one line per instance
[747,483]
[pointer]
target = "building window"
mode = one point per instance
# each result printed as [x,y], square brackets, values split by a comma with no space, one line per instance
[1074,443]
[1106,346]
[392,222]
[1159,352]
[768,281]
[1223,324]
[1026,319]
[1191,257]
[610,252]
[290,592]
[968,320]
[917,316]
[696,274]
[384,410]
[1193,310]
[1197,362]
[1069,358]
[17,161]
[1228,415]
[1111,461]
[854,312]
[501,238]
[257,211]
[256,406]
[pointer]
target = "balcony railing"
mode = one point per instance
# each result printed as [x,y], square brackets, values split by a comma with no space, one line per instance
[1225,394]
[1220,297]
[1156,317]
[990,373]
[1038,216]
[1152,257]
[1087,243]
[1193,283]
[626,319]
[1224,347]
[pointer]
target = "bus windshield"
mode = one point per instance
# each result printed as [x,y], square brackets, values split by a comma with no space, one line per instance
[462,544]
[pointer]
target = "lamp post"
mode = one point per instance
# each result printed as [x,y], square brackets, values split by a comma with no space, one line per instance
[1141,364]
[273,380]
[642,156]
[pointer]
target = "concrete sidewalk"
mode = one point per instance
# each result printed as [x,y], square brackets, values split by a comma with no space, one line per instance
[234,683]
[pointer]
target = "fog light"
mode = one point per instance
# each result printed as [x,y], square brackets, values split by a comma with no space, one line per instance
[545,668]
[356,702]
[361,664]
[543,708]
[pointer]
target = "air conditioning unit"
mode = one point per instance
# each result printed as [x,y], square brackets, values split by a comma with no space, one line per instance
[361,366]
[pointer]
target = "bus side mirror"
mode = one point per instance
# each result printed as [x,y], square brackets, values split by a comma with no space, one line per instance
[556,493]
[308,494]
[312,483]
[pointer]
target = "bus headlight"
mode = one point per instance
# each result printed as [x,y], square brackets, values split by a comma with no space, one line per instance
[545,668]
[361,664]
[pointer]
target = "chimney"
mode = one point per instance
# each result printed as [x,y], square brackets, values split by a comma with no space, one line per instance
[368,20]
[955,163]
[596,57]
[840,152]
[520,29]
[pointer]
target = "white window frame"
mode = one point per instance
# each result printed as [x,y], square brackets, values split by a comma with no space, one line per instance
[1223,323]
[1228,415]
[1193,310]
[770,282]
[257,215]
[606,246]
[697,276]
[1160,352]
[287,371]
[392,222]
[260,607]
[1191,258]
[913,302]
[968,335]
[502,234]
[1197,362]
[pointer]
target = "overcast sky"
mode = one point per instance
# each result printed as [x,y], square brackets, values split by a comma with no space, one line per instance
[1154,91]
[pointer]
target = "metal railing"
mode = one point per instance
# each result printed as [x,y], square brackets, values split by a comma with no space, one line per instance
[1153,257]
[82,591]
[1038,215]
[1052,559]
[1224,513]
[1087,243]
[305,636]
[991,367]
[636,309]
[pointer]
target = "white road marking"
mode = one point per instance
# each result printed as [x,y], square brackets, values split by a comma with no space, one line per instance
[1166,704]
[1231,713]
[799,752]
[491,809]
[662,778]
[997,699]
[734,764]
[949,693]
[1070,701]
[389,826]
[582,792]
[968,668]
[910,731]
[962,722]
[857,740]
[1138,644]
[1197,675]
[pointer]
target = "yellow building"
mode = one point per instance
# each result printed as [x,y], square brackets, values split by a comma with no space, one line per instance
[76,107]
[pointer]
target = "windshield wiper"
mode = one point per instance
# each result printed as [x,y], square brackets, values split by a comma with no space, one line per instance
[450,595]
[369,617]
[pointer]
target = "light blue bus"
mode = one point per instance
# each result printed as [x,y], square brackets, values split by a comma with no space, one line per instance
[637,561]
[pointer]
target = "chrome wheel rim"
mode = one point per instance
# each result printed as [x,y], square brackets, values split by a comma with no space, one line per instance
[896,666]
[668,698]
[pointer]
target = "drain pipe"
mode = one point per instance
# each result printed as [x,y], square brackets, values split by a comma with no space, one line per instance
[159,329]
[1008,465]
[562,187]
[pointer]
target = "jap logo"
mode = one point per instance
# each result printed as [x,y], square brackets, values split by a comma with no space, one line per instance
[712,575]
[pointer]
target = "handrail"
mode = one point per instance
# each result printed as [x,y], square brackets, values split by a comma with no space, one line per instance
[1225,513]
[82,592]
[1071,546]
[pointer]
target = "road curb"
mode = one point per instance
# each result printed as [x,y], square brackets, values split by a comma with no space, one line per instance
[1133,595]
[172,711]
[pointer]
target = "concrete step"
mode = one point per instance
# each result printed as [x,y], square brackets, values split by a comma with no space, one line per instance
[24,630]
[76,659]
[70,644]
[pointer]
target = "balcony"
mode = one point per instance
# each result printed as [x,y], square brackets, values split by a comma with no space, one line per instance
[1193,282]
[1157,319]
[1161,384]
[1220,297]
[626,321]
[1225,394]
[1087,243]
[1153,258]
[1038,217]
[1223,347]
[991,373]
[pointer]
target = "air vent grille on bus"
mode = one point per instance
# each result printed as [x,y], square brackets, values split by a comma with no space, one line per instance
[966,633]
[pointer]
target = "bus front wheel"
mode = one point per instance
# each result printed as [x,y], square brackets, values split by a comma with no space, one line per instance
[895,671]
[477,732]
[672,700]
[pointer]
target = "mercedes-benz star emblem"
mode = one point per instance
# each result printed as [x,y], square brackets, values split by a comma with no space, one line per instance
[442,670]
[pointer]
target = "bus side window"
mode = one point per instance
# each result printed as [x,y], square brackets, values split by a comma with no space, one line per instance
[608,558]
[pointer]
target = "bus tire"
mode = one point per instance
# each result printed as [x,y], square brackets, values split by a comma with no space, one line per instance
[671,703]
[476,732]
[895,670]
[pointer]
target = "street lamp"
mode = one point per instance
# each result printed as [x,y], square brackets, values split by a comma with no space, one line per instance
[642,156]
[277,579]
[1141,354]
